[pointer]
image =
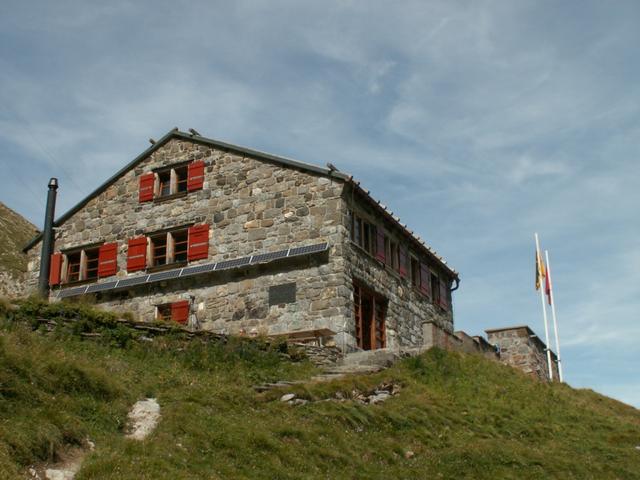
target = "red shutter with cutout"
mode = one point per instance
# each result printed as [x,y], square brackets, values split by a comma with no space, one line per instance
[403,262]
[380,254]
[137,254]
[198,242]
[443,294]
[147,183]
[108,260]
[195,175]
[425,280]
[54,269]
[180,311]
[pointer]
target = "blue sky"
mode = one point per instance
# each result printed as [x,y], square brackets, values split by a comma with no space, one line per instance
[476,122]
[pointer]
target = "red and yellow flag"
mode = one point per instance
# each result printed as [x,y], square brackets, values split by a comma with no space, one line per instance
[540,270]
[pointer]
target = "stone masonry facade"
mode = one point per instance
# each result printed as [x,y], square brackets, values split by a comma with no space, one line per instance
[521,348]
[251,203]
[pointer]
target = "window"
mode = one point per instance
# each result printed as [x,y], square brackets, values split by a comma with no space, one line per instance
[173,180]
[81,265]
[168,248]
[435,289]
[363,234]
[174,312]
[415,272]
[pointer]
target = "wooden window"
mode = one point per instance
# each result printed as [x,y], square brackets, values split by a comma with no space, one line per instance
[395,257]
[181,179]
[172,181]
[425,286]
[435,289]
[108,260]
[195,176]
[198,247]
[180,244]
[91,265]
[402,260]
[147,182]
[380,245]
[175,312]
[163,312]
[444,294]
[369,315]
[73,267]
[137,254]
[415,272]
[164,183]
[79,265]
[387,250]
[54,269]
[158,250]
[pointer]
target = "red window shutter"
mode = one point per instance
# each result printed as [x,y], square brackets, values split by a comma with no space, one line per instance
[198,242]
[147,182]
[380,254]
[443,294]
[137,254]
[180,311]
[403,262]
[195,175]
[54,269]
[425,279]
[108,260]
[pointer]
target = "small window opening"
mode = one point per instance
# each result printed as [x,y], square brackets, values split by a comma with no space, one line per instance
[164,183]
[159,250]
[415,272]
[73,266]
[435,289]
[163,312]
[92,264]
[180,245]
[181,179]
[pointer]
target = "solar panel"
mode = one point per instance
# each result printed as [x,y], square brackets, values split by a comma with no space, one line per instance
[238,262]
[101,287]
[320,247]
[130,282]
[267,257]
[209,267]
[71,292]
[166,275]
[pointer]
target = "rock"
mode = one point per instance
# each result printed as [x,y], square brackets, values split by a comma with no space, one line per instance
[143,418]
[288,396]
[299,401]
[378,397]
[409,454]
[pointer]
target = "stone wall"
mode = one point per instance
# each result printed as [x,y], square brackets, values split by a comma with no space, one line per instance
[12,286]
[253,206]
[476,344]
[520,347]
[407,308]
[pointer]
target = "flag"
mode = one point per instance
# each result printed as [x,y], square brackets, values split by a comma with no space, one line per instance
[540,270]
[547,288]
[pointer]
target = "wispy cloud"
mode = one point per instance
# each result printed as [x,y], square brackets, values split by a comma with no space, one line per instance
[477,122]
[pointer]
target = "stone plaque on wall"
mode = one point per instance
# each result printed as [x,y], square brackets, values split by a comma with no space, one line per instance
[279,294]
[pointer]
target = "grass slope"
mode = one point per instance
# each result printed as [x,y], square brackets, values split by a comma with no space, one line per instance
[462,416]
[15,232]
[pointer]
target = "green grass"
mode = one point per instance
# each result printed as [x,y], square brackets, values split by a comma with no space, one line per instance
[462,416]
[15,232]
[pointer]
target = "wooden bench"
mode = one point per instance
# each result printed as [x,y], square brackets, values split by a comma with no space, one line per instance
[316,336]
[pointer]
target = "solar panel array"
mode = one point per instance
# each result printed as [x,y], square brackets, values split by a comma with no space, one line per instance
[195,270]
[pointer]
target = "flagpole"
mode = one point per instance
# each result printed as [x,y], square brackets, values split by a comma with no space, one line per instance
[544,310]
[553,315]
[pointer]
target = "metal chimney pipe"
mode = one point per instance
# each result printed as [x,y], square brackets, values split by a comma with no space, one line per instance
[47,240]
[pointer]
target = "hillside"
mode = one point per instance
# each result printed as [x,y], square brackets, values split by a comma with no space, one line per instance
[456,416]
[15,232]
